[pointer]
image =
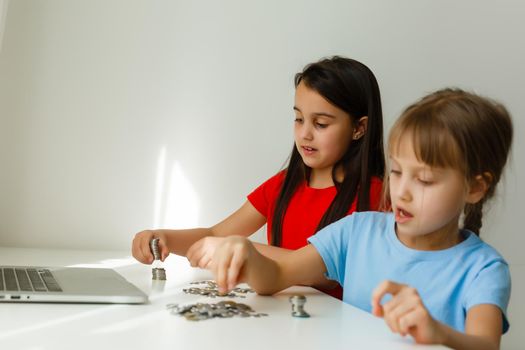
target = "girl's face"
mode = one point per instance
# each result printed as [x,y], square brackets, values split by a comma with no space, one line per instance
[322,131]
[427,202]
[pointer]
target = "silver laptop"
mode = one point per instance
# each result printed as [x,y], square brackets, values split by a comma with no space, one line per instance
[66,285]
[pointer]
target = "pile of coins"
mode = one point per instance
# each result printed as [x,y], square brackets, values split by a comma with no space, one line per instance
[211,290]
[205,311]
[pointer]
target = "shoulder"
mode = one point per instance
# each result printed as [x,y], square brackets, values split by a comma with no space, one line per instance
[277,180]
[272,184]
[481,252]
[484,267]
[264,196]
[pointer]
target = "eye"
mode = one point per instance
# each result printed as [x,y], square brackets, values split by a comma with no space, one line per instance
[425,182]
[395,172]
[298,120]
[321,126]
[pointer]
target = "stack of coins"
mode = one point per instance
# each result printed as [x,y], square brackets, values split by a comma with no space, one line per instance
[158,273]
[298,302]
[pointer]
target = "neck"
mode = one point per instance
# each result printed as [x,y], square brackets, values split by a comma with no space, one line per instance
[444,238]
[322,178]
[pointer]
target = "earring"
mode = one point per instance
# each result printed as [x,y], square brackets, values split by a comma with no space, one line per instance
[357,136]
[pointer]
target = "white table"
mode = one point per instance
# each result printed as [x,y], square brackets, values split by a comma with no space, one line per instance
[332,325]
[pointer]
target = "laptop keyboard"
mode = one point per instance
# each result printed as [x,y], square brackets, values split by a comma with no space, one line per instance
[28,280]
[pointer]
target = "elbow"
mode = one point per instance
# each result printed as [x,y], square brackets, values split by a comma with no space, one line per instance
[264,290]
[265,293]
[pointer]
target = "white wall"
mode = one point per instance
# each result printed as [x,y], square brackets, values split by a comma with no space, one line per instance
[3,117]
[113,112]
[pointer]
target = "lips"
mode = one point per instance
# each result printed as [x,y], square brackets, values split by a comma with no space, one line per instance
[403,216]
[308,150]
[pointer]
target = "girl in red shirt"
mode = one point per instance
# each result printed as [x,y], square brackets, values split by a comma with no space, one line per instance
[335,168]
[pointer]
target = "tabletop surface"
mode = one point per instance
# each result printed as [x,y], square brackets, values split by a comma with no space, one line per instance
[332,325]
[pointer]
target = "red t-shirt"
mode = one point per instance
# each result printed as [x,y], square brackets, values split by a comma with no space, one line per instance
[305,210]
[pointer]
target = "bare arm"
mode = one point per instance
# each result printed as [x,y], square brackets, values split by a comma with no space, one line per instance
[245,221]
[271,251]
[276,253]
[482,329]
[236,260]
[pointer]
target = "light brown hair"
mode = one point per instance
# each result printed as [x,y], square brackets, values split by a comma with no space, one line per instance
[457,129]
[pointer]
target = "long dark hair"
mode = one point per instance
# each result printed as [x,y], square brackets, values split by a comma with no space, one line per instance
[352,87]
[461,130]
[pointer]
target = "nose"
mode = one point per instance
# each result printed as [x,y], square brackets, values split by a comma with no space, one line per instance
[305,131]
[401,188]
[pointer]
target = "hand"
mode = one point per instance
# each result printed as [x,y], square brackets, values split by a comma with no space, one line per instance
[406,314]
[141,250]
[201,252]
[229,261]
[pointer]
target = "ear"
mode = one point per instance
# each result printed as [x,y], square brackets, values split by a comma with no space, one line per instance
[478,187]
[360,128]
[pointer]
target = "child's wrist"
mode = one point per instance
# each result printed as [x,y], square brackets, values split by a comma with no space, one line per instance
[442,333]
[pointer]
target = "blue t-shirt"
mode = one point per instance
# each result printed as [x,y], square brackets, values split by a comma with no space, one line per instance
[362,250]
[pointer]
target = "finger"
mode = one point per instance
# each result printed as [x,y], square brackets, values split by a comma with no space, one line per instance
[221,274]
[204,261]
[193,254]
[236,265]
[390,324]
[199,256]
[193,248]
[209,265]
[408,297]
[195,258]
[134,248]
[164,251]
[192,260]
[393,303]
[397,308]
[409,322]
[145,250]
[138,248]
[403,302]
[385,287]
[377,310]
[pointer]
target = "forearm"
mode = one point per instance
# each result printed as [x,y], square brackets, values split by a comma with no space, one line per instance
[265,275]
[179,241]
[270,251]
[277,253]
[459,341]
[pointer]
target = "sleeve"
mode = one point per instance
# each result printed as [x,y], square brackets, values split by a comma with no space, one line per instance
[332,244]
[491,286]
[264,196]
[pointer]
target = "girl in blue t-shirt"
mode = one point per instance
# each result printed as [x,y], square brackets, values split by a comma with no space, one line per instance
[446,156]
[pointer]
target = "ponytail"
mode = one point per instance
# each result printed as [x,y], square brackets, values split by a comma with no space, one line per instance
[473,216]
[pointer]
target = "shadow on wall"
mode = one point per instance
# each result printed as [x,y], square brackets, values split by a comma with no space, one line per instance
[176,202]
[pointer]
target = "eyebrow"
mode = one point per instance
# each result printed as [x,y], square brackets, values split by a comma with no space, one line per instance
[317,114]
